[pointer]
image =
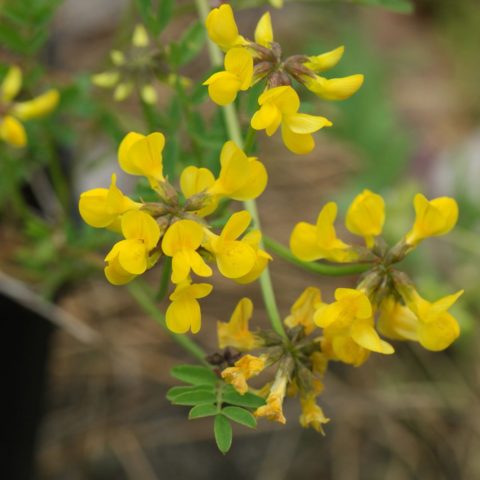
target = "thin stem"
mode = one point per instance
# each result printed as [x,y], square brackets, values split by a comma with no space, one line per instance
[320,268]
[140,292]
[165,279]
[249,140]
[235,134]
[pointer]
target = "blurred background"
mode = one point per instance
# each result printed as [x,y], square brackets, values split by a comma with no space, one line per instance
[99,375]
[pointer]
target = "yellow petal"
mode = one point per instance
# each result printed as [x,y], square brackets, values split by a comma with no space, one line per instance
[284,97]
[140,36]
[223,87]
[303,242]
[194,180]
[303,123]
[114,272]
[38,107]
[325,61]
[366,336]
[236,225]
[334,88]
[11,85]
[132,256]
[298,143]
[183,315]
[239,62]
[182,235]
[122,91]
[105,79]
[267,117]
[12,132]
[149,94]
[264,31]
[128,140]
[438,334]
[235,259]
[117,57]
[138,225]
[221,27]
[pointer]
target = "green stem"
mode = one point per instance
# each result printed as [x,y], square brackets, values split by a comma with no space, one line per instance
[140,292]
[249,140]
[235,134]
[320,268]
[165,279]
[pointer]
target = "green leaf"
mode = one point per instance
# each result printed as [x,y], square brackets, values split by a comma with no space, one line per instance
[240,415]
[164,14]
[189,45]
[200,411]
[174,392]
[249,400]
[194,398]
[194,374]
[223,433]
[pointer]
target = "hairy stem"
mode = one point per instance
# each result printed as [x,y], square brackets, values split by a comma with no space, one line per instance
[235,134]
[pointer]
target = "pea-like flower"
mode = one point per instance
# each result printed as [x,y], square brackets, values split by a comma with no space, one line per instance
[103,208]
[366,216]
[303,310]
[279,107]
[236,332]
[181,241]
[133,256]
[432,218]
[184,313]
[13,113]
[222,27]
[224,86]
[315,242]
[312,414]
[247,367]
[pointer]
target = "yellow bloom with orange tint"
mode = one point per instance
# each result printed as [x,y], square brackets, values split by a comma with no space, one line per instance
[247,367]
[303,310]
[312,415]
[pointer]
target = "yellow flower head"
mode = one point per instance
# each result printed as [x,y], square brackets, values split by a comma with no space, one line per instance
[102,207]
[184,314]
[273,410]
[351,317]
[432,218]
[264,31]
[130,257]
[312,415]
[303,310]
[224,86]
[241,177]
[397,321]
[235,258]
[366,216]
[279,107]
[181,241]
[315,242]
[222,28]
[195,180]
[334,88]
[236,333]
[436,329]
[11,130]
[142,155]
[247,367]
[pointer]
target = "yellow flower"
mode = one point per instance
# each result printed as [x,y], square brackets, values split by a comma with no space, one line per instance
[334,88]
[254,239]
[279,107]
[264,31]
[102,207]
[315,242]
[222,29]
[181,241]
[303,310]
[325,61]
[432,218]
[184,313]
[142,155]
[273,409]
[241,177]
[224,86]
[11,130]
[319,363]
[131,257]
[350,317]
[247,367]
[397,321]
[235,333]
[312,415]
[341,347]
[436,329]
[235,258]
[194,181]
[366,216]
[140,37]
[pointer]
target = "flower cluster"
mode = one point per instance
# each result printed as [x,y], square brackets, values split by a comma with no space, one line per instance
[348,329]
[248,62]
[174,227]
[138,68]
[12,113]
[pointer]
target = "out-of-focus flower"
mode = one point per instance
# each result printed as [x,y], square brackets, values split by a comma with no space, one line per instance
[312,415]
